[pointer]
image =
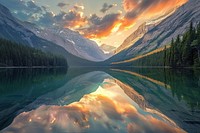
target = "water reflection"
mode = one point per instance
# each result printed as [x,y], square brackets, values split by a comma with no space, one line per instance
[73,90]
[176,94]
[116,100]
[20,87]
[106,109]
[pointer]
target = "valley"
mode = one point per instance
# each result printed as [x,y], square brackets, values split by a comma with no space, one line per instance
[126,66]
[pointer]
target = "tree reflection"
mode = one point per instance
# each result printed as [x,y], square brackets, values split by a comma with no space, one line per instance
[19,87]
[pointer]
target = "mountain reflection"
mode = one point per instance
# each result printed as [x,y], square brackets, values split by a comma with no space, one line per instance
[175,93]
[20,87]
[106,104]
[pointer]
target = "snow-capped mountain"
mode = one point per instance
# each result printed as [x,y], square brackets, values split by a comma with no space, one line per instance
[130,40]
[13,29]
[171,27]
[161,34]
[71,41]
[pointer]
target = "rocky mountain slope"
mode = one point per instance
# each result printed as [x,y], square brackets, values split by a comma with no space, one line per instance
[160,35]
[136,35]
[12,29]
[71,41]
[107,48]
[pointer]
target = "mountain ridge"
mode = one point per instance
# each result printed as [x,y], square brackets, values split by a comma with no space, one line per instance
[162,33]
[71,41]
[131,39]
[13,30]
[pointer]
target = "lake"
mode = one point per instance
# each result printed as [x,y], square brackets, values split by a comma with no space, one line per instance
[99,100]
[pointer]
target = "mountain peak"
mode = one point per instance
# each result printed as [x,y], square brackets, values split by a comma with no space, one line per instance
[142,29]
[161,34]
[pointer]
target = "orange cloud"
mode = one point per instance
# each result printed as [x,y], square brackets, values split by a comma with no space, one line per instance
[163,7]
[100,33]
[95,27]
[75,20]
[127,24]
[146,9]
[135,10]
[129,5]
[101,26]
[75,23]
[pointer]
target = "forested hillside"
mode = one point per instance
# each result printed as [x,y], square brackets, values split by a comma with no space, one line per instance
[151,60]
[13,54]
[184,52]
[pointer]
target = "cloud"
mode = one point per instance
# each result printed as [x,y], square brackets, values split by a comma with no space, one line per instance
[106,7]
[148,8]
[79,7]
[101,26]
[27,10]
[71,19]
[107,108]
[32,6]
[62,4]
[129,4]
[134,10]
[92,26]
[145,9]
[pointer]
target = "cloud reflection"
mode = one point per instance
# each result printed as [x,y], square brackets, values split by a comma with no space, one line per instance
[108,109]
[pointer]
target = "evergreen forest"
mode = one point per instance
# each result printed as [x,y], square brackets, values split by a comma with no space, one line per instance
[13,54]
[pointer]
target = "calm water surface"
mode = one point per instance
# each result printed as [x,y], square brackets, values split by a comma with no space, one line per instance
[107,100]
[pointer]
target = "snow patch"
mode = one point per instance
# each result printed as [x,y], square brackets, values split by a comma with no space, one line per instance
[70,41]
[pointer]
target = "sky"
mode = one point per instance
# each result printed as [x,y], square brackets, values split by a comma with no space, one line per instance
[104,21]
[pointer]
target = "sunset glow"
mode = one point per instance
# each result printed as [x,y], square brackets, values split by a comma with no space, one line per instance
[102,20]
[113,109]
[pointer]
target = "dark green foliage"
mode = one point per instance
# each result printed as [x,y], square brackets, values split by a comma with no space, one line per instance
[184,52]
[171,53]
[165,56]
[20,87]
[151,60]
[13,54]
[184,83]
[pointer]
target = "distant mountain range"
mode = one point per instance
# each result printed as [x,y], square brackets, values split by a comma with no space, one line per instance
[17,31]
[108,48]
[161,34]
[71,41]
[80,51]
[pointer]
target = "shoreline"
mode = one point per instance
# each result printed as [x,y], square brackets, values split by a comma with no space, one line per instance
[150,67]
[15,67]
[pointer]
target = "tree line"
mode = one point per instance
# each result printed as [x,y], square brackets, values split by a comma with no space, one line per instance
[13,54]
[155,59]
[184,51]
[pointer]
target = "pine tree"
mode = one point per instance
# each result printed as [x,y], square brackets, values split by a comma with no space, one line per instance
[165,56]
[198,41]
[177,59]
[172,63]
[12,54]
